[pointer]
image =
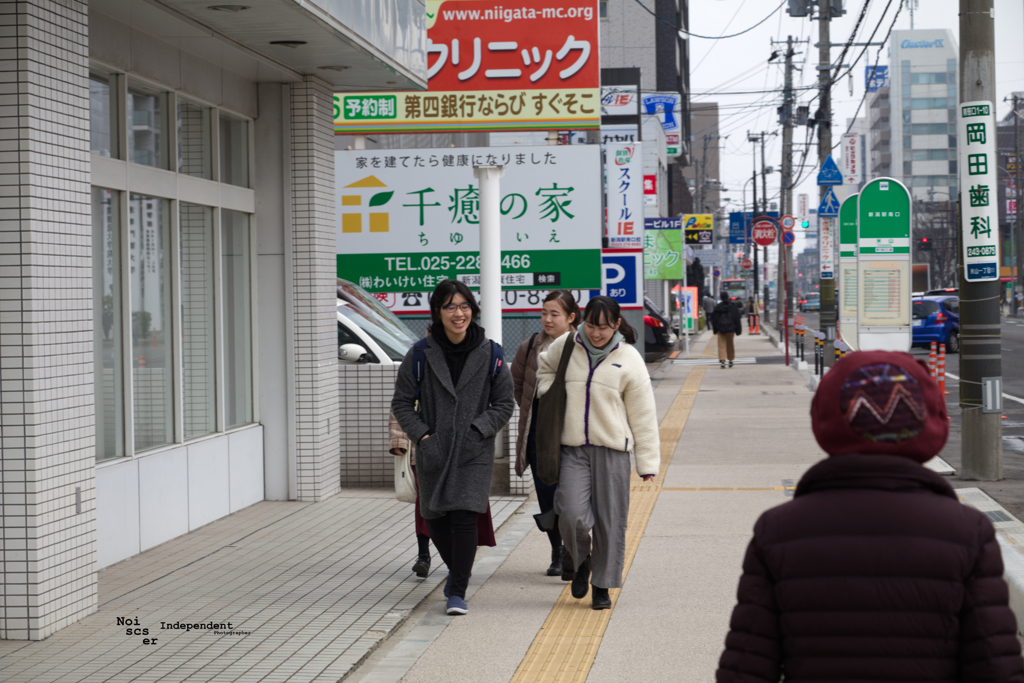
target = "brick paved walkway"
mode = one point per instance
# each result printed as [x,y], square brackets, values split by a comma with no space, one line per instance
[314,587]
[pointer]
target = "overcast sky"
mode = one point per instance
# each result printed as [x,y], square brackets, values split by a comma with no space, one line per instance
[740,65]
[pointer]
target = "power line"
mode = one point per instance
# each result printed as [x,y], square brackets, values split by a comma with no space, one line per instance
[695,35]
[713,45]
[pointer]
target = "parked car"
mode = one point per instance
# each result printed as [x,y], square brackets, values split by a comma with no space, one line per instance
[936,319]
[658,337]
[812,302]
[367,331]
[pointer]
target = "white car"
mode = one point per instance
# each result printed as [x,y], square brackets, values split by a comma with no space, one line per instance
[367,331]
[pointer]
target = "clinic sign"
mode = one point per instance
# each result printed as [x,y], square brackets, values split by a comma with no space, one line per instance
[663,249]
[534,66]
[408,219]
[978,209]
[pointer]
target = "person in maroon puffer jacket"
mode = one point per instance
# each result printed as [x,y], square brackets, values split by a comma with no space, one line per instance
[874,571]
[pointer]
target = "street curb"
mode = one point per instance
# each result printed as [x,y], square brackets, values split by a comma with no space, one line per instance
[798,365]
[1010,535]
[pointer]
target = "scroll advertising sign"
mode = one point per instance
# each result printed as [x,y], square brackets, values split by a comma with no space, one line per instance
[491,66]
[408,219]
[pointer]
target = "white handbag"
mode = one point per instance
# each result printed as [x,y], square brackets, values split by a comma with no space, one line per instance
[405,483]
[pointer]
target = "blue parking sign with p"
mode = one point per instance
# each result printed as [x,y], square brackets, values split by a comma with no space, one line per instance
[623,278]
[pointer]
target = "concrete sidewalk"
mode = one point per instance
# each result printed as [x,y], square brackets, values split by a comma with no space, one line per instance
[309,591]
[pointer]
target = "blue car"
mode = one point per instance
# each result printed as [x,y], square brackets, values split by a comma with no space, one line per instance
[937,319]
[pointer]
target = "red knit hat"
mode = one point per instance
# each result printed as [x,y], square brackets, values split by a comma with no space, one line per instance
[881,402]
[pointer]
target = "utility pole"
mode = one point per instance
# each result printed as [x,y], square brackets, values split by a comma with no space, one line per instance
[827,288]
[764,212]
[753,212]
[981,447]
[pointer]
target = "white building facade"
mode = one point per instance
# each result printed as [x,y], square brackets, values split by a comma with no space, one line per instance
[167,325]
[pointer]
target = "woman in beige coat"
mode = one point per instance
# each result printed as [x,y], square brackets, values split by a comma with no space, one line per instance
[560,314]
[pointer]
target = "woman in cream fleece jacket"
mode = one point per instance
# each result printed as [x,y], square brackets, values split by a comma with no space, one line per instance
[609,414]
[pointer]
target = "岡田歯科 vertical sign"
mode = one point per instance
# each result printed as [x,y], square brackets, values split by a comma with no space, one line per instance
[978,209]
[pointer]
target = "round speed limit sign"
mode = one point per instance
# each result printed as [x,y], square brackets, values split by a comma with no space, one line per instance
[788,222]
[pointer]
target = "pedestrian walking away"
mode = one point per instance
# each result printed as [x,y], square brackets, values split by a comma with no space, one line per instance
[875,571]
[708,304]
[609,415]
[399,444]
[560,314]
[727,324]
[452,405]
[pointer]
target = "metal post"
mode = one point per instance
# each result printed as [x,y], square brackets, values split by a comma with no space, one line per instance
[827,288]
[1018,175]
[981,354]
[490,248]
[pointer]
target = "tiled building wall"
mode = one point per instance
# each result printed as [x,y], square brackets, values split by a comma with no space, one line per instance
[46,319]
[314,290]
[365,403]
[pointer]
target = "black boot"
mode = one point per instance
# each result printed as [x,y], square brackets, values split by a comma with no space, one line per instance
[600,598]
[422,566]
[556,561]
[568,573]
[581,584]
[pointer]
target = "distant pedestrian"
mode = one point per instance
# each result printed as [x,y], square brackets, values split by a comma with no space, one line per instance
[698,278]
[727,324]
[875,571]
[399,444]
[751,312]
[708,304]
[609,414]
[462,403]
[560,315]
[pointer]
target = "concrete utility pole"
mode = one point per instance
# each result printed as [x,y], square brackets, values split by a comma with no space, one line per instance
[753,137]
[764,212]
[981,445]
[827,288]
[490,248]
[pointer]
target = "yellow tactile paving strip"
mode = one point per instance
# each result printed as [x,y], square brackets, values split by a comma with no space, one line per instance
[567,644]
[761,488]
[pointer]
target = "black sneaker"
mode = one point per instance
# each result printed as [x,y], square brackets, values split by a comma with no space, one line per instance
[581,584]
[556,561]
[723,364]
[600,598]
[422,566]
[568,573]
[730,364]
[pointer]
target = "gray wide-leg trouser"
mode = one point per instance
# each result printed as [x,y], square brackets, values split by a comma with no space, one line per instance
[593,493]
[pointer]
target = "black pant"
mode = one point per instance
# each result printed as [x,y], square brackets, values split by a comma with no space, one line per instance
[454,535]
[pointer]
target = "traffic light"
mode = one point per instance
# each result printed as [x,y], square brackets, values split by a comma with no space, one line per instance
[924,244]
[804,225]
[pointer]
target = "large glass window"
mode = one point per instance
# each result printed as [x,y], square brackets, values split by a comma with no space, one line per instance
[237,318]
[107,356]
[194,143]
[198,354]
[930,154]
[103,120]
[147,126]
[234,151]
[152,365]
[928,78]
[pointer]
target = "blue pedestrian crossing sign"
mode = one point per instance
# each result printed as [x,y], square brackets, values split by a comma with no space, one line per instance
[829,207]
[829,173]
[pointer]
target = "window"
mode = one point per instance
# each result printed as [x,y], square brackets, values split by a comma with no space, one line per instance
[147,126]
[172,275]
[198,352]
[923,308]
[931,181]
[952,166]
[905,90]
[234,151]
[951,65]
[149,243]
[930,103]
[932,129]
[602,9]
[905,65]
[928,78]
[951,92]
[194,143]
[907,142]
[930,154]
[103,124]
[237,318]
[952,142]
[107,330]
[908,168]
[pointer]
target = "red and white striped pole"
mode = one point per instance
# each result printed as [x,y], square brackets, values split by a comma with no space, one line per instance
[931,362]
[942,369]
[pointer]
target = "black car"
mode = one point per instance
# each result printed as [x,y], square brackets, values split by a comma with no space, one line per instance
[658,340]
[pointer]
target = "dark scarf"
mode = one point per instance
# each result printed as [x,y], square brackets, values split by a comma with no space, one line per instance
[456,354]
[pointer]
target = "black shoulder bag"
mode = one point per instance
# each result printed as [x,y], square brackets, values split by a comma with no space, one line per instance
[551,419]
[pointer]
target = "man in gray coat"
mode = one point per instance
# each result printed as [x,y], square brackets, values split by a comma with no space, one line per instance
[462,405]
